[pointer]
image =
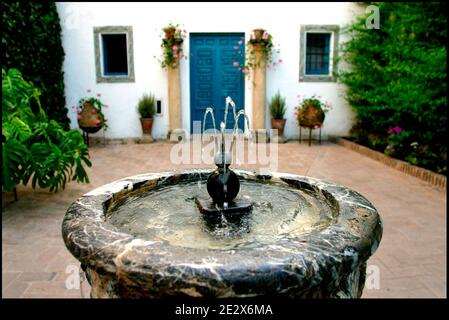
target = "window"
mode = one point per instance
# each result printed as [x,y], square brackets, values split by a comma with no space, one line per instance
[114,54]
[317,53]
[318,50]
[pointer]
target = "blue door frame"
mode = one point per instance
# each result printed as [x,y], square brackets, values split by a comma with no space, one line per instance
[213,75]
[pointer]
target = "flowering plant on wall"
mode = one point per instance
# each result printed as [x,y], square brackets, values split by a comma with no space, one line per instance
[259,39]
[172,38]
[90,111]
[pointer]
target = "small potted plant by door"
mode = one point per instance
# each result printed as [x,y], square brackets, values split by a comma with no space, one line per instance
[146,109]
[277,110]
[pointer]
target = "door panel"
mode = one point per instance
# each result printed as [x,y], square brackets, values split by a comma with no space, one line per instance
[213,76]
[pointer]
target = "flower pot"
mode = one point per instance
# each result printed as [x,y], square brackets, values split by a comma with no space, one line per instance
[90,120]
[278,124]
[170,32]
[310,116]
[147,125]
[258,33]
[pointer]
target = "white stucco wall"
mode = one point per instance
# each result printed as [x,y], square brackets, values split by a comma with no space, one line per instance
[147,19]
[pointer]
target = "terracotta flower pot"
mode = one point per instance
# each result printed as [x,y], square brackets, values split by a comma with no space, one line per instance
[310,116]
[147,125]
[278,124]
[90,120]
[170,32]
[258,33]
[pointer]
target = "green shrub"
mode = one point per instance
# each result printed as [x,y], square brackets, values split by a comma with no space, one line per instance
[31,43]
[277,106]
[34,146]
[146,106]
[398,79]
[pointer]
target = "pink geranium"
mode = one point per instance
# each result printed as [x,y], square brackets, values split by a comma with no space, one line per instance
[265,35]
[175,56]
[240,42]
[78,117]
[397,129]
[98,121]
[94,110]
[175,48]
[245,70]
[235,47]
[174,64]
[235,64]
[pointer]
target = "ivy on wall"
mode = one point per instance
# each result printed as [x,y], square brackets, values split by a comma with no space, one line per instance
[31,42]
[397,82]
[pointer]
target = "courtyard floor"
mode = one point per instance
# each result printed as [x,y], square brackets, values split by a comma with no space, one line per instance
[411,257]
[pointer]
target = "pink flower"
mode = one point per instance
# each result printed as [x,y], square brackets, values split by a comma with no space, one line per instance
[235,47]
[98,94]
[390,130]
[78,117]
[94,110]
[175,48]
[175,56]
[397,129]
[245,70]
[240,42]
[240,69]
[174,64]
[98,121]
[78,111]
[235,64]
[265,35]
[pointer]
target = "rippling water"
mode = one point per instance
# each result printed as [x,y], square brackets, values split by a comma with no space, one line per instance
[170,214]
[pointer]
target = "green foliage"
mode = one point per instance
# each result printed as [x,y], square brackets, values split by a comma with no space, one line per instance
[277,106]
[31,43]
[33,146]
[146,106]
[398,78]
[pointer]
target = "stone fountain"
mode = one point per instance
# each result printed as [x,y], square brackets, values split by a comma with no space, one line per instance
[247,235]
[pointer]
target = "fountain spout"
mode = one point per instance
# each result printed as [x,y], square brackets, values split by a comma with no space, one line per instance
[223,184]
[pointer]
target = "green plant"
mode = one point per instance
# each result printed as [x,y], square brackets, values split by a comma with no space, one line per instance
[146,107]
[398,77]
[171,45]
[31,42]
[277,106]
[33,146]
[96,103]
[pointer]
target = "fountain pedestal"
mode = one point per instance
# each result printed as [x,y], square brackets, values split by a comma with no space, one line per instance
[235,207]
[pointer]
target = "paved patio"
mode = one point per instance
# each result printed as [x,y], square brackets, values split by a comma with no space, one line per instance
[411,257]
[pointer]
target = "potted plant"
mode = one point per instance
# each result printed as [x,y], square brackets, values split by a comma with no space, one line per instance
[171,45]
[146,110]
[277,110]
[311,111]
[90,114]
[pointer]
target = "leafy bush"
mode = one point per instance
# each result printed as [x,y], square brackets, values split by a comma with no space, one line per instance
[277,106]
[34,146]
[31,42]
[398,79]
[146,106]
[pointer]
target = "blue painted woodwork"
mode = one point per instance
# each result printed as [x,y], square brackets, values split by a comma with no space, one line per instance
[213,76]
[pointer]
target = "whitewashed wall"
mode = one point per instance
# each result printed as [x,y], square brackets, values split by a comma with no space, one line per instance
[147,19]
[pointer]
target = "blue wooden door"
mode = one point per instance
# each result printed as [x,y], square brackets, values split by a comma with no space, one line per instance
[213,76]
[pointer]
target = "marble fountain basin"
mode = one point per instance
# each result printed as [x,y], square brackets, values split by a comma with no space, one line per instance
[144,237]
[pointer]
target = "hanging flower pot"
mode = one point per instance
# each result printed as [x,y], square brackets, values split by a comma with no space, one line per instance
[169,32]
[258,33]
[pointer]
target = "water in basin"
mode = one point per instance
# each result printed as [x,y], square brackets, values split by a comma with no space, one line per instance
[170,214]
